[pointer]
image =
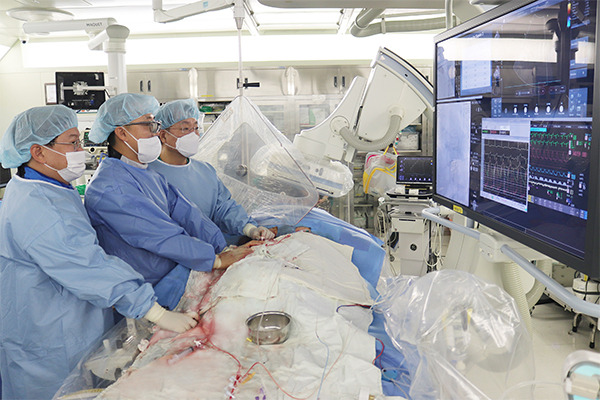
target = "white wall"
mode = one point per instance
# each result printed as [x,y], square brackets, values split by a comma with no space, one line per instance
[26,67]
[22,88]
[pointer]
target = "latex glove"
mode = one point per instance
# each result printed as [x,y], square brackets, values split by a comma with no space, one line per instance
[169,320]
[261,233]
[227,258]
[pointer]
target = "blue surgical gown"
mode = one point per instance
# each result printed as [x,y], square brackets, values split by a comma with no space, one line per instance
[199,183]
[142,219]
[56,287]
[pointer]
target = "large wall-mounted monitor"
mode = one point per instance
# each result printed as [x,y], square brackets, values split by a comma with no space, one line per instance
[71,92]
[516,145]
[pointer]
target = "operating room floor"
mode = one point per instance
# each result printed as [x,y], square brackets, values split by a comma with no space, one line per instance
[553,341]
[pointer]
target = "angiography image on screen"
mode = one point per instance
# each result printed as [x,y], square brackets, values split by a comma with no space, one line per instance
[453,181]
[514,120]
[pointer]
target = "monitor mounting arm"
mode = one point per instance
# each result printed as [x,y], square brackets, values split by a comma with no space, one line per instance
[106,35]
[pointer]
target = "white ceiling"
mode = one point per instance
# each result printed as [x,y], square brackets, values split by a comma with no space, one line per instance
[138,16]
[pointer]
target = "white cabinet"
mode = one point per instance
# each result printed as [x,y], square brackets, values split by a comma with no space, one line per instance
[165,85]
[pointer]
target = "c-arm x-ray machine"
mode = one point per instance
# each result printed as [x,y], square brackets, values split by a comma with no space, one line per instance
[368,118]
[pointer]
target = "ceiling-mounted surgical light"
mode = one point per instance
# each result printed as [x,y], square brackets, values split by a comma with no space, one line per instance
[30,14]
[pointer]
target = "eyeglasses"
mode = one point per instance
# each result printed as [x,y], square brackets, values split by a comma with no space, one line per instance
[77,144]
[154,126]
[185,131]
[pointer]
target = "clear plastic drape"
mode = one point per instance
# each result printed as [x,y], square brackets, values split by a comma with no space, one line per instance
[462,338]
[258,164]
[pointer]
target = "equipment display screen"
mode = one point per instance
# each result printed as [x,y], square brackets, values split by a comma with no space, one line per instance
[515,146]
[414,170]
[71,90]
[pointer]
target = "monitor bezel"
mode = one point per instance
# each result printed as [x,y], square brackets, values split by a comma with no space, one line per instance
[590,264]
[87,76]
[2,170]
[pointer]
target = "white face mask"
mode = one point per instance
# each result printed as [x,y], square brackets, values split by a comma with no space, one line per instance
[186,145]
[148,148]
[75,165]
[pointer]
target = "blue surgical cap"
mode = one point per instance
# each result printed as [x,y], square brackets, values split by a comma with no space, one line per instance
[118,111]
[176,111]
[38,125]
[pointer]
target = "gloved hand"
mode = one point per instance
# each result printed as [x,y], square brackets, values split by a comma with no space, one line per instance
[228,257]
[261,233]
[172,321]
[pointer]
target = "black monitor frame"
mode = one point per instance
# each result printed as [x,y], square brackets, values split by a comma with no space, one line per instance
[5,176]
[590,262]
[90,100]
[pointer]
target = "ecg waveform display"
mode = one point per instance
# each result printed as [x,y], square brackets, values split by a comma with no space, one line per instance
[550,149]
[505,169]
[559,166]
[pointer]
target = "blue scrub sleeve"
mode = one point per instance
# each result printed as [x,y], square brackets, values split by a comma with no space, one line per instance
[141,223]
[171,287]
[68,253]
[193,220]
[229,215]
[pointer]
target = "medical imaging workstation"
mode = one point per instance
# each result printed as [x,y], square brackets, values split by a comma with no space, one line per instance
[269,199]
[514,134]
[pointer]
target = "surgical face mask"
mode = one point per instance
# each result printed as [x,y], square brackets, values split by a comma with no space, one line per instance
[75,165]
[148,148]
[186,145]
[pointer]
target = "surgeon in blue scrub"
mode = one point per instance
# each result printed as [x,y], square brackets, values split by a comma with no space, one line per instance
[197,180]
[137,214]
[57,285]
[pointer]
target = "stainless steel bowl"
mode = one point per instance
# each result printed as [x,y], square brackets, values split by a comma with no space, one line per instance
[269,327]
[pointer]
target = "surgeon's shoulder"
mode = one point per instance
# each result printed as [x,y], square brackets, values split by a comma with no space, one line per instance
[203,166]
[109,177]
[33,191]
[41,200]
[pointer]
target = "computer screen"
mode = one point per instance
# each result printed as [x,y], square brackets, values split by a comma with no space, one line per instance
[4,176]
[516,147]
[80,99]
[414,170]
